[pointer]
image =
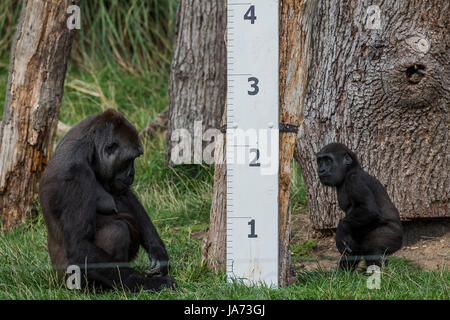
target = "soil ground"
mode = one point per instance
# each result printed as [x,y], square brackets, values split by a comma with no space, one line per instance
[428,254]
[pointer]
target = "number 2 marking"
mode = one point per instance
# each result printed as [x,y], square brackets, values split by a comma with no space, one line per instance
[254,162]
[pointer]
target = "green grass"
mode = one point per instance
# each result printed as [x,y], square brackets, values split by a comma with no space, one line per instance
[128,45]
[127,68]
[25,268]
[303,248]
[3,82]
[137,36]
[9,14]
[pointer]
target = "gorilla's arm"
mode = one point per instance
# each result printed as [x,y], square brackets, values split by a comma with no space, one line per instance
[78,228]
[150,238]
[105,202]
[363,213]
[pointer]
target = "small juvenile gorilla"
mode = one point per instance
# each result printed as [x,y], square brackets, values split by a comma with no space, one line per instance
[93,218]
[371,228]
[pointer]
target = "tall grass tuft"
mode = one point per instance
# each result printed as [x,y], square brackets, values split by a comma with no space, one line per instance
[9,15]
[134,34]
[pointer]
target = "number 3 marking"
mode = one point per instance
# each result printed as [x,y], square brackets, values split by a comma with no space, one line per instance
[254,86]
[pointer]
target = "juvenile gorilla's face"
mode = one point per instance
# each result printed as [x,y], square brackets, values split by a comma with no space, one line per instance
[117,165]
[331,171]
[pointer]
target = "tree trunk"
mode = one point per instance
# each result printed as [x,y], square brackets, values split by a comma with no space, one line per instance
[214,243]
[293,59]
[35,87]
[198,71]
[385,94]
[293,71]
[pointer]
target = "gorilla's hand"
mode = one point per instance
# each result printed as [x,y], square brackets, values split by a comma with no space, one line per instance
[159,283]
[136,282]
[159,259]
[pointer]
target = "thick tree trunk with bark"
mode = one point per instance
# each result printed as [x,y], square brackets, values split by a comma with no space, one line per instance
[385,94]
[295,29]
[198,72]
[293,66]
[214,243]
[35,87]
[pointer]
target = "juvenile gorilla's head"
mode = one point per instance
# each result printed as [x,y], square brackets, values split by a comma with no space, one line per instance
[333,163]
[117,145]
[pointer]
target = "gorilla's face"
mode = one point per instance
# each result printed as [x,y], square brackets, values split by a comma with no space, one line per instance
[116,163]
[332,167]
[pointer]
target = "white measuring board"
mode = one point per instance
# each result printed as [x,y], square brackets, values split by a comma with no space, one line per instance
[252,141]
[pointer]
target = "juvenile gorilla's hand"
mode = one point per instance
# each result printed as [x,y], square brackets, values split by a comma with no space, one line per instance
[159,259]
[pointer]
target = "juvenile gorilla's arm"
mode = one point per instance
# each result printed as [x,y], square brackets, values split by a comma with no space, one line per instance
[363,213]
[150,239]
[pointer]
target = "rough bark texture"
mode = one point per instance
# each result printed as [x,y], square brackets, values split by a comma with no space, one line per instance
[295,28]
[214,243]
[385,94]
[198,72]
[35,87]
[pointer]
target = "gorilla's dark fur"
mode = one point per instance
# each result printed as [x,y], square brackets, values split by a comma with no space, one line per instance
[371,228]
[93,218]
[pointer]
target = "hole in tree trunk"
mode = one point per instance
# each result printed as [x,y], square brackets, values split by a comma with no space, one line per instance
[415,73]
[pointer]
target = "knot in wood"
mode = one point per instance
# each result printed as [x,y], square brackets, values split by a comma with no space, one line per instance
[419,44]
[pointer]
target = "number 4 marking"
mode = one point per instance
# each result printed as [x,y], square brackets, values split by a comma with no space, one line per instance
[250,14]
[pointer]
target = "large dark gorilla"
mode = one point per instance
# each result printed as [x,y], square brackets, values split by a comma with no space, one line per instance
[371,228]
[93,218]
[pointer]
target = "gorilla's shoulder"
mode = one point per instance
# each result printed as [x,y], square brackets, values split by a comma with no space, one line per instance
[357,175]
[357,179]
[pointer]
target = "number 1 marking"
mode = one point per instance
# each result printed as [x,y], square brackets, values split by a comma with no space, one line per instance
[252,229]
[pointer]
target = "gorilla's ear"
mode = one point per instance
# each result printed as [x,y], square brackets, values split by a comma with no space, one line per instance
[348,159]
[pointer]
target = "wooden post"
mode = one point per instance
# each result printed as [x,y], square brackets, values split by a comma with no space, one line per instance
[214,243]
[35,86]
[294,30]
[294,33]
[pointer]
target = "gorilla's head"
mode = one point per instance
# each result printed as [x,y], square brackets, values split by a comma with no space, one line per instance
[333,163]
[117,145]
